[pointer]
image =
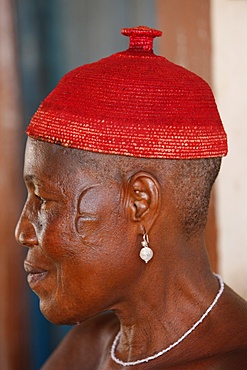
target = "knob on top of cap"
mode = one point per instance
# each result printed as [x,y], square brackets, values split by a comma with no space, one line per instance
[141,37]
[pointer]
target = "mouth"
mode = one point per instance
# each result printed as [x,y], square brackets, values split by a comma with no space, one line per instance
[35,274]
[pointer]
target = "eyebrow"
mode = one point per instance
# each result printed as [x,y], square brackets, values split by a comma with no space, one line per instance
[33,180]
[30,178]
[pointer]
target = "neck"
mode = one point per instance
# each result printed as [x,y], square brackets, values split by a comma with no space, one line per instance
[160,310]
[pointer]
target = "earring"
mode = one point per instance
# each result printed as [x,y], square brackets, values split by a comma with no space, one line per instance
[146,252]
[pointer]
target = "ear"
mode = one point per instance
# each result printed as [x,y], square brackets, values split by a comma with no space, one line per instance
[144,198]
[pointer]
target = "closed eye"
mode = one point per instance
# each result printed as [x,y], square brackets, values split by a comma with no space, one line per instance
[42,201]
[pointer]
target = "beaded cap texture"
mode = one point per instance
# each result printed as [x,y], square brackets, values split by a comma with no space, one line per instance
[133,103]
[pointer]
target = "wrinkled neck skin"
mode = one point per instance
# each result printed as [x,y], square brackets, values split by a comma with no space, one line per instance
[160,310]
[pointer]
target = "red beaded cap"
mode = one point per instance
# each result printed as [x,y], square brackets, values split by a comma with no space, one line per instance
[133,103]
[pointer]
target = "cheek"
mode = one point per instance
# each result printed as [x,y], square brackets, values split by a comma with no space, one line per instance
[101,232]
[99,217]
[96,278]
[88,266]
[57,234]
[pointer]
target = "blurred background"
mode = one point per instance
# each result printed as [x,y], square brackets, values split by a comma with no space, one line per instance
[40,41]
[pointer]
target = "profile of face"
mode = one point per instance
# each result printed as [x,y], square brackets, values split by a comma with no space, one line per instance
[81,244]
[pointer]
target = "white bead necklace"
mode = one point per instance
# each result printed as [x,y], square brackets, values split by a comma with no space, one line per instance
[147,359]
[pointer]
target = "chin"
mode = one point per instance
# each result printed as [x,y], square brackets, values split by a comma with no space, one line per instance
[57,315]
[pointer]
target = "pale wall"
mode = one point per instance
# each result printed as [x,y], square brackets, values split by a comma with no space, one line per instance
[229,34]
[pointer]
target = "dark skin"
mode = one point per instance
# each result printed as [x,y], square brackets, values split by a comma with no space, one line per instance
[83,231]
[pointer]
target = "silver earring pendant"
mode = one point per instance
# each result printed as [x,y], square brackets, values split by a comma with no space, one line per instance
[146,252]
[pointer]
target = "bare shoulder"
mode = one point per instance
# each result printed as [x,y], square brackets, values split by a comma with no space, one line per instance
[230,333]
[234,315]
[83,346]
[222,343]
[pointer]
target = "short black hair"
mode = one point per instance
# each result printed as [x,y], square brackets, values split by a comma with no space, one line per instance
[192,184]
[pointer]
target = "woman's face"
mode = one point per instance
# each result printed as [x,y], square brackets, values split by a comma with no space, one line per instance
[81,249]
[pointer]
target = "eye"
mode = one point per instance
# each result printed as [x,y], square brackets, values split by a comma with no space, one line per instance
[42,201]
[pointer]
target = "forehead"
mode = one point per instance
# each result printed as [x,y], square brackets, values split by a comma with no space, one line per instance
[57,163]
[42,156]
[53,164]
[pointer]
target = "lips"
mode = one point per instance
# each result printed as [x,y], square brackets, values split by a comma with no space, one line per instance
[35,274]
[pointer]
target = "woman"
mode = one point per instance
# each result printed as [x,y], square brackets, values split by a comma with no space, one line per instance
[119,164]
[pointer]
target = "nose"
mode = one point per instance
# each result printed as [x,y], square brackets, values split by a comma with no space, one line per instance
[25,232]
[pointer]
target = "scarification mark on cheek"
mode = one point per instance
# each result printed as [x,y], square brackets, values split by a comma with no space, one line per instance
[86,225]
[87,220]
